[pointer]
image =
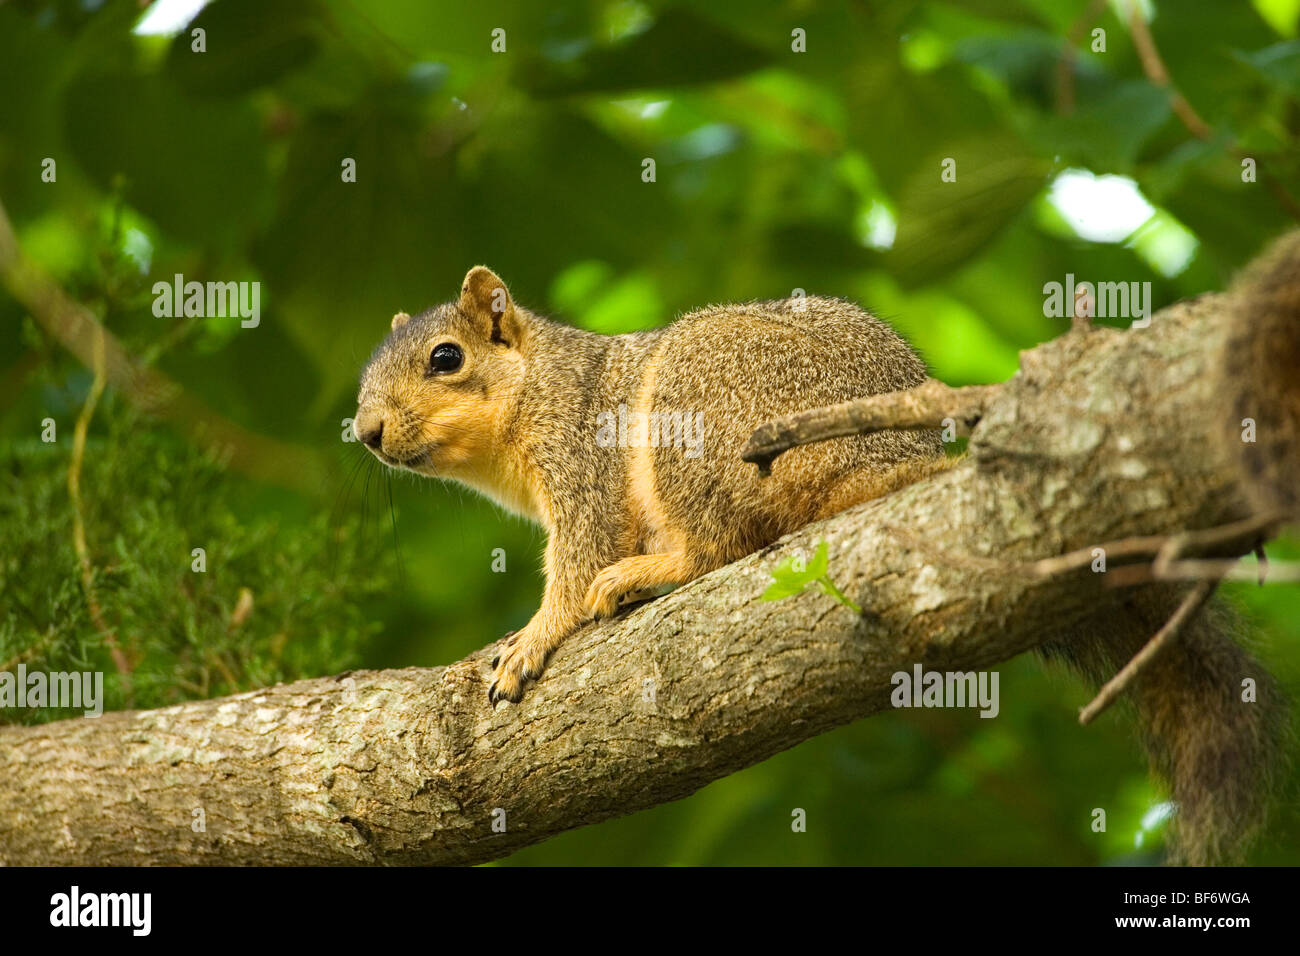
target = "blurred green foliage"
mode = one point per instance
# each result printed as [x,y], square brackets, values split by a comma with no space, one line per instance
[775,170]
[255,605]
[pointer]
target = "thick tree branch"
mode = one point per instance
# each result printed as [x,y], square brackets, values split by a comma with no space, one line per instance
[1097,438]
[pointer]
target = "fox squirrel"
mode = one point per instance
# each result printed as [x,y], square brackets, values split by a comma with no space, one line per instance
[626,449]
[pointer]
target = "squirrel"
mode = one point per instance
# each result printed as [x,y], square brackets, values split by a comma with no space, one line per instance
[626,448]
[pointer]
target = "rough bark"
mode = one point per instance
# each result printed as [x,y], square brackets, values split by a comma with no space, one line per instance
[1099,436]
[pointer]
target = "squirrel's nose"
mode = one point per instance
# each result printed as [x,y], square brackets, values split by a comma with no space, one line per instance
[375,437]
[370,429]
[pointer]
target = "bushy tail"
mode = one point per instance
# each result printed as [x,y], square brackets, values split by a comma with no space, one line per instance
[1219,747]
[1257,377]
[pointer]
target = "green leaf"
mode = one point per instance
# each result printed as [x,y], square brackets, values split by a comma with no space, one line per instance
[1024,59]
[941,224]
[789,570]
[1278,64]
[202,174]
[1108,132]
[678,49]
[789,577]
[248,44]
[820,561]
[783,589]
[1197,45]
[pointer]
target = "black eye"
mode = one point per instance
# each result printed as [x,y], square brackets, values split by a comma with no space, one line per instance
[445,358]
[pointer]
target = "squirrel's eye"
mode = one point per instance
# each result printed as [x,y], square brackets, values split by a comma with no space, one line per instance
[446,358]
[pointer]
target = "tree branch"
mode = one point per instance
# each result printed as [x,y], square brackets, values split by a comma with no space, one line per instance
[928,405]
[1094,440]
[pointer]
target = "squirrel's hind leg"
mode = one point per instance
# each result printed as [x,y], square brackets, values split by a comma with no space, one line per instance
[868,483]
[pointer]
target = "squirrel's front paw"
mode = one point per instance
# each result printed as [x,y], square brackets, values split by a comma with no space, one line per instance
[606,590]
[522,660]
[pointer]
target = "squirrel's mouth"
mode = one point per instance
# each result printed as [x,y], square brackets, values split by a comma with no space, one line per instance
[413,462]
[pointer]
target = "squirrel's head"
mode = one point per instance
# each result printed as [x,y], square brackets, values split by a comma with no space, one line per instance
[436,391]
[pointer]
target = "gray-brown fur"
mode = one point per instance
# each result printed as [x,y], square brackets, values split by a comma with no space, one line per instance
[1260,378]
[743,365]
[1220,754]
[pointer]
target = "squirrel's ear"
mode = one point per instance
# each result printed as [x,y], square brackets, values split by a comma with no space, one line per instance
[484,296]
[400,319]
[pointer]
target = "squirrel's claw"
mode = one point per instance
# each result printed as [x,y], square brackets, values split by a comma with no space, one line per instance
[509,638]
[495,695]
[521,660]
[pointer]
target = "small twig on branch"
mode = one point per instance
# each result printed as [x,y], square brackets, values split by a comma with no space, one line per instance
[928,405]
[1065,65]
[1154,67]
[1157,554]
[1227,569]
[1111,690]
[1235,539]
[1081,314]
